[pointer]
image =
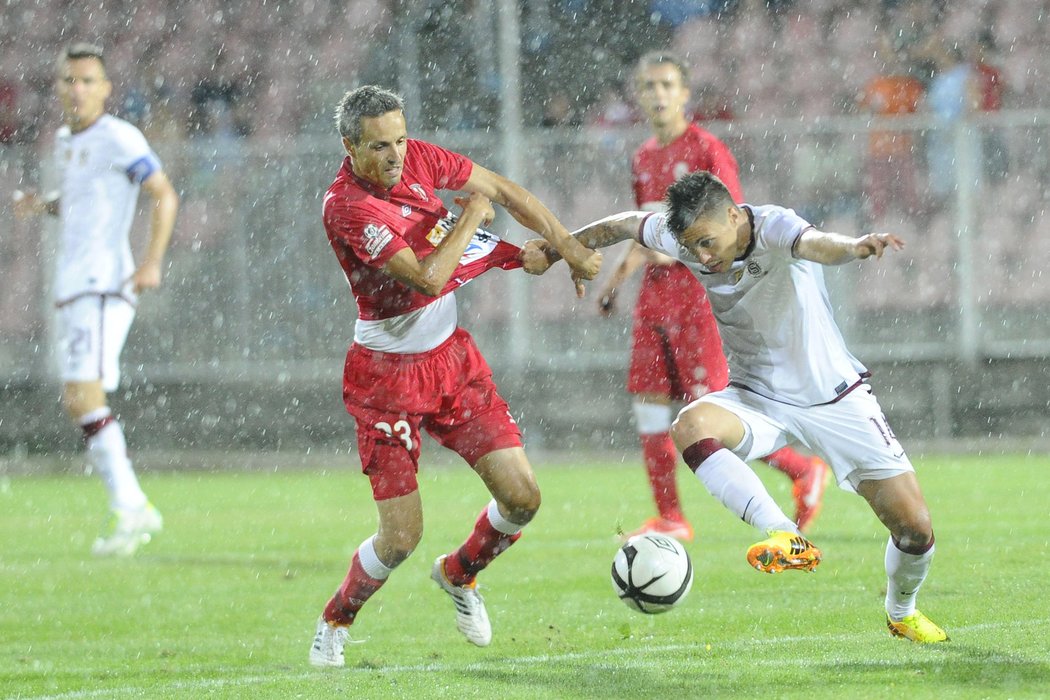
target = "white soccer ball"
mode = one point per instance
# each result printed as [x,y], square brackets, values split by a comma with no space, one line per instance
[652,573]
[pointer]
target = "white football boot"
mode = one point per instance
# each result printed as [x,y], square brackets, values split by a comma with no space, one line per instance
[471,617]
[327,648]
[127,530]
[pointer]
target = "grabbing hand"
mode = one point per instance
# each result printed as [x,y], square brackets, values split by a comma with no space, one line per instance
[875,244]
[585,263]
[478,203]
[534,259]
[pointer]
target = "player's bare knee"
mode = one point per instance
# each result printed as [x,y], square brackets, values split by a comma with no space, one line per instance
[523,506]
[396,546]
[691,425]
[914,533]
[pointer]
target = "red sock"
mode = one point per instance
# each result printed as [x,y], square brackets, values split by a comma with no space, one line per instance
[789,461]
[484,544]
[356,588]
[661,459]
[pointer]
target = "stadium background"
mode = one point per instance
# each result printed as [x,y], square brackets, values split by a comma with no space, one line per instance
[242,348]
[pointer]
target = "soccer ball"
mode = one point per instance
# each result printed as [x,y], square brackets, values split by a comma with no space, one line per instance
[652,573]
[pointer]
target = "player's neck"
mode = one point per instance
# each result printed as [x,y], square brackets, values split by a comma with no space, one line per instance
[666,133]
[78,125]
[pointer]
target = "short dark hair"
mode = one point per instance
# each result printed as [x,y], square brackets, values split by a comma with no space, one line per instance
[661,56]
[83,49]
[695,196]
[365,101]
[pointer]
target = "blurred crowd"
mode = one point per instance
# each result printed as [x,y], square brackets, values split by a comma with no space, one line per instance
[210,68]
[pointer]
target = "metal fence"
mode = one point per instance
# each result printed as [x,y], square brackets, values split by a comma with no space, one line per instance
[254,295]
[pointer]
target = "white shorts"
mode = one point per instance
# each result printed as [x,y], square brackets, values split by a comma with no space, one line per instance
[852,434]
[91,334]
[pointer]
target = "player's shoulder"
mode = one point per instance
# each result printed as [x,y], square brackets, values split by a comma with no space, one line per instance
[773,220]
[695,133]
[650,145]
[347,201]
[120,128]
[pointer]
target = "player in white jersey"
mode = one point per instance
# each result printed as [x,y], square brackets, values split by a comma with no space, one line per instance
[102,162]
[791,377]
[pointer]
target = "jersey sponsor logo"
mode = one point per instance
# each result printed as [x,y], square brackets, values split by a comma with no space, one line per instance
[420,192]
[441,229]
[377,237]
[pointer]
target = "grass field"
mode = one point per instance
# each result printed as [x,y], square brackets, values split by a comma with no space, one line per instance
[223,603]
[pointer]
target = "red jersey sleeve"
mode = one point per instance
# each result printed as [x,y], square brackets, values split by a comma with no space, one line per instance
[373,237]
[447,170]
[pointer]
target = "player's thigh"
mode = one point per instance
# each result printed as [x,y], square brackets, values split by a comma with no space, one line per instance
[854,437]
[389,446]
[92,333]
[476,421]
[649,371]
[739,420]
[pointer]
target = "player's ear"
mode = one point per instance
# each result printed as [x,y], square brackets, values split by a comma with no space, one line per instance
[348,146]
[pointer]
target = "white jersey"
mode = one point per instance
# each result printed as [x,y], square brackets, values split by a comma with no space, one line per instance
[100,170]
[779,335]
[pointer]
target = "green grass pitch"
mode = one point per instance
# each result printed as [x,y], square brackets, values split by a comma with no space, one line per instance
[223,603]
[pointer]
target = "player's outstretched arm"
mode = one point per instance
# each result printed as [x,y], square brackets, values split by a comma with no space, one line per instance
[162,223]
[530,212]
[601,233]
[835,249]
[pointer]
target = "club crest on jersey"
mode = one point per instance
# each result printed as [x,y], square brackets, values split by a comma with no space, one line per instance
[420,192]
[406,210]
[376,238]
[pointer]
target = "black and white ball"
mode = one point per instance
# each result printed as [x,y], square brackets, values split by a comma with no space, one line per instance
[652,573]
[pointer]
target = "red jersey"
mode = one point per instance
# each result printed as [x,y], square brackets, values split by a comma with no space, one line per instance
[367,225]
[654,168]
[991,81]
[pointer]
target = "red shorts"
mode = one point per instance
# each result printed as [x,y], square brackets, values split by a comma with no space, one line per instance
[448,391]
[676,350]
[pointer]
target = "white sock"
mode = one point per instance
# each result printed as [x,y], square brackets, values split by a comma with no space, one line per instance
[370,561]
[498,522]
[108,453]
[904,575]
[651,418]
[732,482]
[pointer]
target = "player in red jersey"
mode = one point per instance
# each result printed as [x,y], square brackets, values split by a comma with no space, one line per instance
[676,352]
[411,368]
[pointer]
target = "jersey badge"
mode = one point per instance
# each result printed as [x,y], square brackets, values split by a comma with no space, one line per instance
[376,238]
[406,211]
[441,229]
[754,269]
[420,192]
